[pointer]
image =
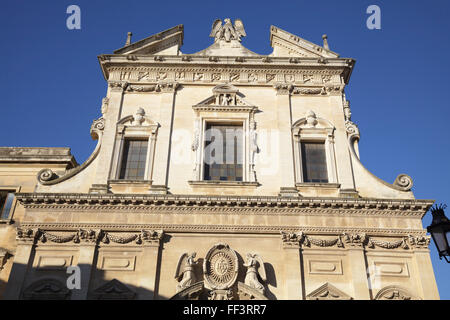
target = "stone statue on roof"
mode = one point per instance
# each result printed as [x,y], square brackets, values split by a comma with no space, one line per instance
[227,31]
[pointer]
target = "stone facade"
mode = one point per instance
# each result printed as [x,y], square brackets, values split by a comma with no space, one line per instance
[173,234]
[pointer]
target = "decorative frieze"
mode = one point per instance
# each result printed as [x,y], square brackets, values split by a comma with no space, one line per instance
[81,236]
[121,76]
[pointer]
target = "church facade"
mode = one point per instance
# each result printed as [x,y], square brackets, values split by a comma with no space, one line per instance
[223,174]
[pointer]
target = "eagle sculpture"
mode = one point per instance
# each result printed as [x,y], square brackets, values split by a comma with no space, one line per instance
[227,31]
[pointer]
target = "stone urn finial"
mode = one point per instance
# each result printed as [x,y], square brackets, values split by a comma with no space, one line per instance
[139,117]
[311,118]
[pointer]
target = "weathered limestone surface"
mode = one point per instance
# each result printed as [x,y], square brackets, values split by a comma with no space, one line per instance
[174,235]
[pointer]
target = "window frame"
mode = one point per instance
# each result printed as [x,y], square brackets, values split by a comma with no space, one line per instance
[313,141]
[121,161]
[321,132]
[128,130]
[236,111]
[14,190]
[241,123]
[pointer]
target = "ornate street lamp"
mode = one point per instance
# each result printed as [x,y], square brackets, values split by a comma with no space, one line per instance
[440,231]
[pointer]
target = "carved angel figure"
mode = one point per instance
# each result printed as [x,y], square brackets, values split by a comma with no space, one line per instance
[254,264]
[227,31]
[185,271]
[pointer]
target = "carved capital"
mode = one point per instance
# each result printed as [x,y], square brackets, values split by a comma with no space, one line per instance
[283,88]
[27,236]
[118,86]
[291,240]
[356,240]
[419,242]
[168,86]
[152,237]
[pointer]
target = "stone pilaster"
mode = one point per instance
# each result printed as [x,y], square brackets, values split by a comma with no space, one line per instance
[115,100]
[356,257]
[424,267]
[150,259]
[292,260]
[162,153]
[285,147]
[26,240]
[86,260]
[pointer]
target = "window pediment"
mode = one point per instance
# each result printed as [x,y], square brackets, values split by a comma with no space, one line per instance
[312,124]
[225,98]
[138,123]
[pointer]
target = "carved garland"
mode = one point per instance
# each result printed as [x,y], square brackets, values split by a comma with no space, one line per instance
[353,240]
[94,236]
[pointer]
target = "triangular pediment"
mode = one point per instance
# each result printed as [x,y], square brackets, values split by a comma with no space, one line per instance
[328,292]
[226,97]
[286,44]
[114,290]
[167,42]
[230,49]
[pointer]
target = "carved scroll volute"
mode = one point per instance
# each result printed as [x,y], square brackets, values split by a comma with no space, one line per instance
[48,177]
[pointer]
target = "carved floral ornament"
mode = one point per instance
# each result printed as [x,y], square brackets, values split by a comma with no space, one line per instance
[356,240]
[89,236]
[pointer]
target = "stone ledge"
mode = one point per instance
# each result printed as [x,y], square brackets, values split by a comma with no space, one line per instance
[37,155]
[218,183]
[319,185]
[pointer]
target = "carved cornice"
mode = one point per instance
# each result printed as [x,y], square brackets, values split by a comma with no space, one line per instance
[232,229]
[235,204]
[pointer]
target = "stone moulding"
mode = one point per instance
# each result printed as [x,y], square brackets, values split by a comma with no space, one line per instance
[47,177]
[31,231]
[337,238]
[28,199]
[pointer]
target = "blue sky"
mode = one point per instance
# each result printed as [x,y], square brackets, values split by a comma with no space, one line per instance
[51,85]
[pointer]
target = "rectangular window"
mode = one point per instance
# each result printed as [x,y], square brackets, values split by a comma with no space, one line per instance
[314,162]
[134,158]
[6,202]
[223,152]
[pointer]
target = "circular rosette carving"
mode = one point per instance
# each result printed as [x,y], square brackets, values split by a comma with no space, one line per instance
[220,267]
[46,175]
[404,182]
